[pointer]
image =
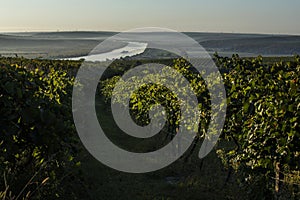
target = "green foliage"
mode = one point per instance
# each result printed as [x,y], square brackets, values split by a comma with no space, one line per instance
[149,95]
[262,115]
[263,112]
[37,141]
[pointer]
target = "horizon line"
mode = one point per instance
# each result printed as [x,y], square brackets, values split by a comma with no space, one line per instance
[114,31]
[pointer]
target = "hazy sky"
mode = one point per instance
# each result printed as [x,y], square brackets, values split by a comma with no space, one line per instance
[258,16]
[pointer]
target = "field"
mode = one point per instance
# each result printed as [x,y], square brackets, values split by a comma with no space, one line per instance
[38,135]
[75,44]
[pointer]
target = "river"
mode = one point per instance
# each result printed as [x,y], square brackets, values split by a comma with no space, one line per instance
[133,48]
